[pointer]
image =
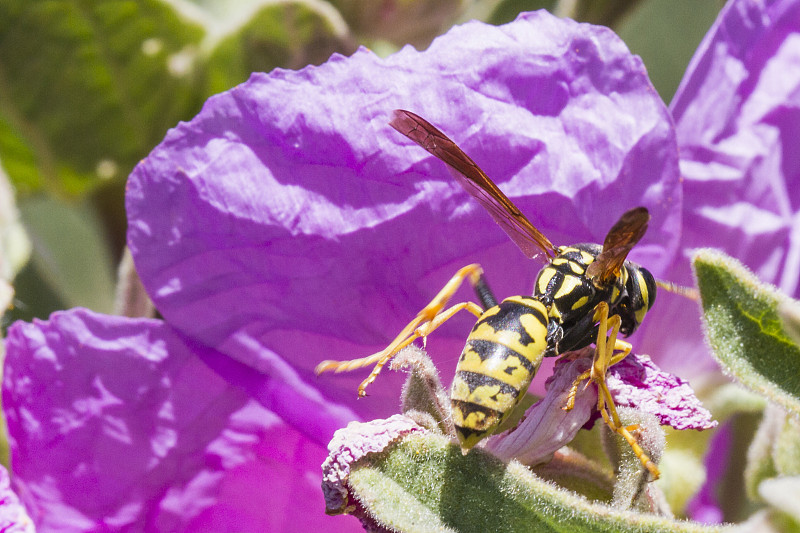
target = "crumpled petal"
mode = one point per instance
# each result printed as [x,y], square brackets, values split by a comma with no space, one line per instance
[118,424]
[736,113]
[638,383]
[547,426]
[288,223]
[353,443]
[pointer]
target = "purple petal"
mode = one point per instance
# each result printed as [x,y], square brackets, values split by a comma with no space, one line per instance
[737,113]
[288,223]
[547,426]
[13,516]
[638,383]
[117,424]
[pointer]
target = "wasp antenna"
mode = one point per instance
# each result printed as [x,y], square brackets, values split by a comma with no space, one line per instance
[686,292]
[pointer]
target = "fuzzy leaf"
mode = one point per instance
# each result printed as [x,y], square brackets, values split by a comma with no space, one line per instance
[787,452]
[576,472]
[745,330]
[424,483]
[423,391]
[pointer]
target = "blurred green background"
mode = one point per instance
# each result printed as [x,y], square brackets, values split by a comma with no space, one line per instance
[89,88]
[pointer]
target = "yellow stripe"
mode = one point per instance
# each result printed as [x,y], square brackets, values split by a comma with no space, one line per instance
[645,297]
[614,294]
[530,303]
[509,370]
[545,276]
[577,268]
[485,396]
[567,286]
[511,339]
[476,420]
[580,303]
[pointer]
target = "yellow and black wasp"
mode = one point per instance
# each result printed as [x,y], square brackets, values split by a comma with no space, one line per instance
[585,294]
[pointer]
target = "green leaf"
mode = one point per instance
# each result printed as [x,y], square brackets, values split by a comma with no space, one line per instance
[87,88]
[70,253]
[787,451]
[425,483]
[760,459]
[745,330]
[279,33]
[574,471]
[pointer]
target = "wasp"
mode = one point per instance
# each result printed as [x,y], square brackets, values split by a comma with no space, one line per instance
[586,293]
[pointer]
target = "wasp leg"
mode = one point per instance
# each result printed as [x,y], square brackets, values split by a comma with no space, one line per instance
[606,345]
[426,321]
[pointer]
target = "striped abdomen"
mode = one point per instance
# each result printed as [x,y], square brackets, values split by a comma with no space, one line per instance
[502,355]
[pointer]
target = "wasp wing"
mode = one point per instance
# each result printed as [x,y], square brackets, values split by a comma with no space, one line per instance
[529,239]
[623,236]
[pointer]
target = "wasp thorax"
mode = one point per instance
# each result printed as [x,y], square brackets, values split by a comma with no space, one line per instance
[563,286]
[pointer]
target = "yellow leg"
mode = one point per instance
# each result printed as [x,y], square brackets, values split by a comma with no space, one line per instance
[606,345]
[426,321]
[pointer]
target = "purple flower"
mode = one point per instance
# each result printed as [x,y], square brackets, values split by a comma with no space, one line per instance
[634,382]
[288,223]
[736,114]
[124,424]
[638,383]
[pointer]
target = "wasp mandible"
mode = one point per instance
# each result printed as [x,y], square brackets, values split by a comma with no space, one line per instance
[586,293]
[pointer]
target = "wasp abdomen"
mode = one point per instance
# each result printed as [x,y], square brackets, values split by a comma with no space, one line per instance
[502,354]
